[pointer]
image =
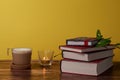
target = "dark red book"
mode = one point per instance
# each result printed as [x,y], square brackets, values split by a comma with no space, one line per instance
[82,41]
[93,68]
[85,49]
[88,56]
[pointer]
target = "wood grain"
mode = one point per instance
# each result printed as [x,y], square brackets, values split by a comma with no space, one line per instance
[52,73]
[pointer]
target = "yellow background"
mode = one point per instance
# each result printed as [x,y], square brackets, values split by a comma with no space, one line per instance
[46,24]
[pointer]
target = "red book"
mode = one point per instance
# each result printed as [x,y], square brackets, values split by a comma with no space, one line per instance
[88,56]
[85,49]
[93,68]
[82,41]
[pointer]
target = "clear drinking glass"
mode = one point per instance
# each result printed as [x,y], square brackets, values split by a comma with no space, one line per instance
[45,57]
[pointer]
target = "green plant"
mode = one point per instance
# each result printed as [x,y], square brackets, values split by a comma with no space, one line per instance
[104,41]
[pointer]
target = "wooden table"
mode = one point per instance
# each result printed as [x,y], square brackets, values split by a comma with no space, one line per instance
[52,73]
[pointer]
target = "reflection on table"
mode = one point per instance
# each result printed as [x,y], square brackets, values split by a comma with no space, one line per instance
[52,73]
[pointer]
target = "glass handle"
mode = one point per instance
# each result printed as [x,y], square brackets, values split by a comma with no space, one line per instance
[8,49]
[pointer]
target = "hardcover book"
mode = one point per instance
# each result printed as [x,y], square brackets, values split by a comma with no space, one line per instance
[85,49]
[82,41]
[89,56]
[93,68]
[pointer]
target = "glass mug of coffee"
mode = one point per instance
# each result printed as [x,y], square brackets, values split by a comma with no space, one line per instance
[21,57]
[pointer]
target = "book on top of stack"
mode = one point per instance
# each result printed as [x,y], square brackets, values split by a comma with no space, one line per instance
[80,56]
[82,41]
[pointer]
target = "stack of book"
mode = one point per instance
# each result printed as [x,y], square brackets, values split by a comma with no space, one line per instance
[80,56]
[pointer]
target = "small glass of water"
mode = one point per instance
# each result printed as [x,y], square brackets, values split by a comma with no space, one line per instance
[45,57]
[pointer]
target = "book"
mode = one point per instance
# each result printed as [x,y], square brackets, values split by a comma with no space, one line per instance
[89,56]
[84,49]
[82,41]
[93,68]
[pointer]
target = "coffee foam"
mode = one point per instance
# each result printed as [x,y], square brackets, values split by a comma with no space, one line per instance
[21,50]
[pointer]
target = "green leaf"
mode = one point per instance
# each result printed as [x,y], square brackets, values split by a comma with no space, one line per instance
[99,36]
[103,42]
